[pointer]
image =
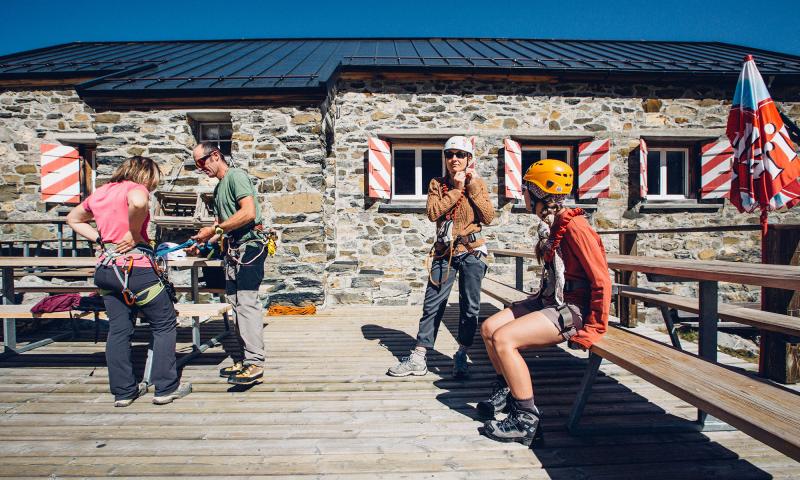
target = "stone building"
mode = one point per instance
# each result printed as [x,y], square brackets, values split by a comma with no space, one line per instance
[298,115]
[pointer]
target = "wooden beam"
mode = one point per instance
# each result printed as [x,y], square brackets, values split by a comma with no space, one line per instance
[42,82]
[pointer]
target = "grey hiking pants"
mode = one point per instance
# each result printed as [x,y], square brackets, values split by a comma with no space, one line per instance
[159,313]
[241,289]
[470,270]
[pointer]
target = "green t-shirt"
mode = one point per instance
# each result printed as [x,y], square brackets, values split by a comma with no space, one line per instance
[234,186]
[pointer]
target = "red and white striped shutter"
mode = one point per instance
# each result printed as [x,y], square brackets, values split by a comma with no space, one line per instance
[594,169]
[512,159]
[379,178]
[61,167]
[715,164]
[642,168]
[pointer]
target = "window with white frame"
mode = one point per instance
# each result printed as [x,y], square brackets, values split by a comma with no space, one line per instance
[667,173]
[413,167]
[533,153]
[219,133]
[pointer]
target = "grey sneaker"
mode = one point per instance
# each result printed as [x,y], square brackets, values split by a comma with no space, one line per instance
[460,367]
[413,364]
[127,401]
[182,390]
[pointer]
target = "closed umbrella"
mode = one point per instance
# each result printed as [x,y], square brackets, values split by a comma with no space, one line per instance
[765,167]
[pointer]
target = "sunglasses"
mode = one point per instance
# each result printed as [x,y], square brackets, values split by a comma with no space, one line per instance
[201,162]
[448,154]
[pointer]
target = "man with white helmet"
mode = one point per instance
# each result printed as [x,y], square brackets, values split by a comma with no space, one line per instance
[459,204]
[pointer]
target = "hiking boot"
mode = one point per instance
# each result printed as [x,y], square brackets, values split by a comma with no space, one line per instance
[460,367]
[228,371]
[497,402]
[249,375]
[521,426]
[180,392]
[413,364]
[141,390]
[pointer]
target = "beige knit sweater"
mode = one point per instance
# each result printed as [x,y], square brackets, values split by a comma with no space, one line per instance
[473,210]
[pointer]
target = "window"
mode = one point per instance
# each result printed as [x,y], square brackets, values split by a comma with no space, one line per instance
[668,173]
[532,154]
[88,174]
[219,133]
[413,167]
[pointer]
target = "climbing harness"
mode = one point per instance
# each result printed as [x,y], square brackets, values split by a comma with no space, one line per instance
[109,258]
[268,242]
[446,242]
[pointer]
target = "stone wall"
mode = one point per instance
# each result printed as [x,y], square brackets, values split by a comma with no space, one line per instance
[28,119]
[380,254]
[282,148]
[338,247]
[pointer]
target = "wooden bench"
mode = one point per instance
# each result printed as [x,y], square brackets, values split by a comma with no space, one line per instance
[764,411]
[737,315]
[198,313]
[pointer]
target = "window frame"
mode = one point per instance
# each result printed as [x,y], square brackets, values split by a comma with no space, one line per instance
[200,126]
[417,147]
[663,174]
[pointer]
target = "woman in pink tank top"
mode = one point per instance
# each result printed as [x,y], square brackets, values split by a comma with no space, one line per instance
[128,281]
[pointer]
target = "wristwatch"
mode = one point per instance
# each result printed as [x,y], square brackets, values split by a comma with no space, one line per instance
[218,230]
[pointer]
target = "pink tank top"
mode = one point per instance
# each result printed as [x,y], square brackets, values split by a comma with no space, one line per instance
[109,205]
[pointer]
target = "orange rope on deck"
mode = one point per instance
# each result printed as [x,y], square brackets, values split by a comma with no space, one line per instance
[287,310]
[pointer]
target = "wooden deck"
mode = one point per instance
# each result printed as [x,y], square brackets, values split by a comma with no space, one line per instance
[327,408]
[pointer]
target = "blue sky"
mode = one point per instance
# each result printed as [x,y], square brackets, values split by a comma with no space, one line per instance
[35,23]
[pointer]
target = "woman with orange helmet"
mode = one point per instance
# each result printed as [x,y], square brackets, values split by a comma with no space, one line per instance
[571,305]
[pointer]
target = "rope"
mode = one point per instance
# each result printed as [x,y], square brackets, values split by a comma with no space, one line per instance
[287,310]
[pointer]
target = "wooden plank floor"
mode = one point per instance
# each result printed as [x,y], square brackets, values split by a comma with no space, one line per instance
[327,409]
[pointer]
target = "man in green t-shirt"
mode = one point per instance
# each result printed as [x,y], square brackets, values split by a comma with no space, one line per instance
[239,223]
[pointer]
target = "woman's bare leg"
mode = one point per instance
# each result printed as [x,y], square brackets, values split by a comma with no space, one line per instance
[533,330]
[488,327]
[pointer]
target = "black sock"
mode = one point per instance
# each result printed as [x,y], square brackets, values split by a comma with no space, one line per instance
[501,380]
[527,405]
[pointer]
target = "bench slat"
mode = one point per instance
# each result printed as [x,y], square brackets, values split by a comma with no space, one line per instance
[502,292]
[92,288]
[203,310]
[773,322]
[762,410]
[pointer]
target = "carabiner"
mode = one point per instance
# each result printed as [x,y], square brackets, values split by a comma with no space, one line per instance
[128,297]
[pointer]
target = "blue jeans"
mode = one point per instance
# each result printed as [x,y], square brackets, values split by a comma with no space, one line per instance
[470,271]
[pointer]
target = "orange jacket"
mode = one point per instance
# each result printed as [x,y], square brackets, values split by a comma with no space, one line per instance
[585,259]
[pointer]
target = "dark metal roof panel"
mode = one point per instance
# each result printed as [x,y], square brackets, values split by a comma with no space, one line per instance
[310,63]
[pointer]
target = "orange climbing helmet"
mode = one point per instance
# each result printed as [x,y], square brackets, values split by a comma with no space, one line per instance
[552,177]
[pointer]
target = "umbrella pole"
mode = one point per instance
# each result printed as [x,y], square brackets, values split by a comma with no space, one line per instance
[762,341]
[764,228]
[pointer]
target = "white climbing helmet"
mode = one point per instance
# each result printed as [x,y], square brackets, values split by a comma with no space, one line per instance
[460,143]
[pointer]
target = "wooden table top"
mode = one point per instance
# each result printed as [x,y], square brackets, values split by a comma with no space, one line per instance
[52,262]
[774,276]
[34,221]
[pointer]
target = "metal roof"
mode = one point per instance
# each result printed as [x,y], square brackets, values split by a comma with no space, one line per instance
[281,65]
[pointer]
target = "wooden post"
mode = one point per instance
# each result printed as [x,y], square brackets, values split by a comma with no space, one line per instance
[626,308]
[709,317]
[780,354]
[519,271]
[195,279]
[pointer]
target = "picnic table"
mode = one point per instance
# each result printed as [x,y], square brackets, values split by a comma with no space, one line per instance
[9,264]
[708,273]
[59,222]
